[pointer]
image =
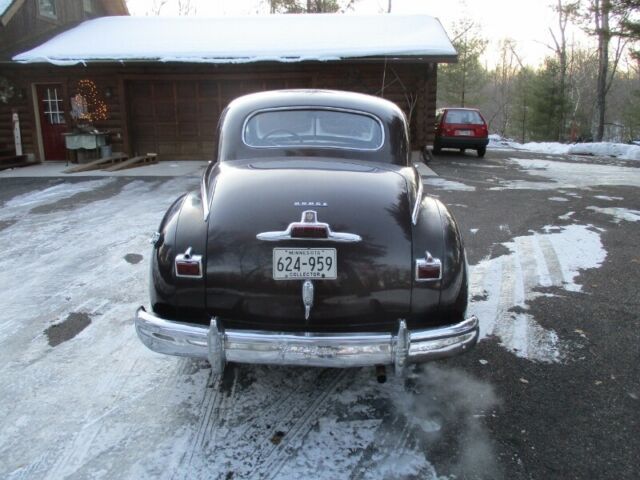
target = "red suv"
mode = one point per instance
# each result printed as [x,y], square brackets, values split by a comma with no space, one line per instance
[461,128]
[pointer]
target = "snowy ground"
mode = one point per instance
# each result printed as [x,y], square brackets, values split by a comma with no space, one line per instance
[84,399]
[622,151]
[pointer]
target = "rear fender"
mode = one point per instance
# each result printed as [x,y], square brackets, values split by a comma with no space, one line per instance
[454,289]
[182,227]
[427,236]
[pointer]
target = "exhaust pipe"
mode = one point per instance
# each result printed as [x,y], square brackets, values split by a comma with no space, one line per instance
[381,373]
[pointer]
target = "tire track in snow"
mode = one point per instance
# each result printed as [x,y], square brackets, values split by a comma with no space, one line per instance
[506,297]
[279,454]
[551,260]
[236,435]
[497,285]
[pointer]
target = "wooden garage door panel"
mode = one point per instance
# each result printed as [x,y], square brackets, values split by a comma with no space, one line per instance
[178,118]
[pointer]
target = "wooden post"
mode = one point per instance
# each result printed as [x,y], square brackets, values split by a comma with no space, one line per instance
[17,138]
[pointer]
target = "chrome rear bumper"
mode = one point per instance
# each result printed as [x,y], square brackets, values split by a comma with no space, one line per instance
[307,349]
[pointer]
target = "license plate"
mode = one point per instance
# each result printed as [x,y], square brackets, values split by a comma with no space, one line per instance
[464,133]
[303,263]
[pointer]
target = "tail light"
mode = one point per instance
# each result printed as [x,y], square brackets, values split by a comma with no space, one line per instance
[309,227]
[309,231]
[428,268]
[188,265]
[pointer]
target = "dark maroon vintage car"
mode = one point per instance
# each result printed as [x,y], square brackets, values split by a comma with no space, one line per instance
[310,242]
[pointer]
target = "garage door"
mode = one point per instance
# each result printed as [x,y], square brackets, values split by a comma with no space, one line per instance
[178,118]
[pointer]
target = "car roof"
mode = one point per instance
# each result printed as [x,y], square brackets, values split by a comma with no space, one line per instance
[395,149]
[317,98]
[459,108]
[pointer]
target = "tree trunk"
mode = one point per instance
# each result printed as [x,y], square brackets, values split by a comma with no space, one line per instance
[603,7]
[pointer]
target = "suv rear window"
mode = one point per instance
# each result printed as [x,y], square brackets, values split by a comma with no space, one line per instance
[313,128]
[466,117]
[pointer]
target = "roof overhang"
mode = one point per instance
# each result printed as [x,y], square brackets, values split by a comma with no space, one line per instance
[8,9]
[238,40]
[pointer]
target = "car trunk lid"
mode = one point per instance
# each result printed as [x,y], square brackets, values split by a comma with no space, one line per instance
[372,288]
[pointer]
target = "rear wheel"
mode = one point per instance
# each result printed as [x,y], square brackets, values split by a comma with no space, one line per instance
[482,151]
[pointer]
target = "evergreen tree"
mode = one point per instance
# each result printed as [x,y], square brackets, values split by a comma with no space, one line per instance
[459,84]
[545,113]
[520,106]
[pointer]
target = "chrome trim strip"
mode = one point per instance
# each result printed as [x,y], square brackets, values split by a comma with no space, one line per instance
[416,205]
[316,107]
[219,345]
[205,196]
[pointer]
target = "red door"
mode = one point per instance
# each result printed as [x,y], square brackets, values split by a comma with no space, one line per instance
[52,121]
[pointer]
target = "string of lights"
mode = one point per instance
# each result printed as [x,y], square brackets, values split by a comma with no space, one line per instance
[87,105]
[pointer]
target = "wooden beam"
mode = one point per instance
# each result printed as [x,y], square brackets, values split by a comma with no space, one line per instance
[147,159]
[96,164]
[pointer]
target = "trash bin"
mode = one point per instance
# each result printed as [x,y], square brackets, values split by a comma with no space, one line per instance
[105,151]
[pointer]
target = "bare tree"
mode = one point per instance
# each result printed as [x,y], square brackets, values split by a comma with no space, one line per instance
[156,7]
[607,19]
[185,7]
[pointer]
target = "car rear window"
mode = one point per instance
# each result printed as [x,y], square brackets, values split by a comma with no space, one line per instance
[467,117]
[313,128]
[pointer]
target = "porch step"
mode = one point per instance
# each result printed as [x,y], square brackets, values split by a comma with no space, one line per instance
[148,159]
[14,161]
[97,164]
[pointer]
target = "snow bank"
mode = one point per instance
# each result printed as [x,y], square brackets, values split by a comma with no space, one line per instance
[282,38]
[622,151]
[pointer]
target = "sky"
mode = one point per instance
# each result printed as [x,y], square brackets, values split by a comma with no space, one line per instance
[525,21]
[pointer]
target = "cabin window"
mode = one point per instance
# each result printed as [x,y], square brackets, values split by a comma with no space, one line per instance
[47,8]
[313,128]
[87,5]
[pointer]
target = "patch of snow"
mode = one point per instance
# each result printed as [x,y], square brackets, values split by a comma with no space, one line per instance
[618,214]
[444,184]
[607,198]
[56,192]
[473,230]
[570,175]
[281,38]
[558,199]
[622,151]
[566,216]
[504,285]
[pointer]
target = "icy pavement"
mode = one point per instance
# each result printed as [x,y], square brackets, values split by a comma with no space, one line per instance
[501,287]
[567,175]
[83,398]
[443,184]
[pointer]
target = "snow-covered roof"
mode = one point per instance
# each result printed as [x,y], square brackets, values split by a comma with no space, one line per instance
[4,5]
[282,38]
